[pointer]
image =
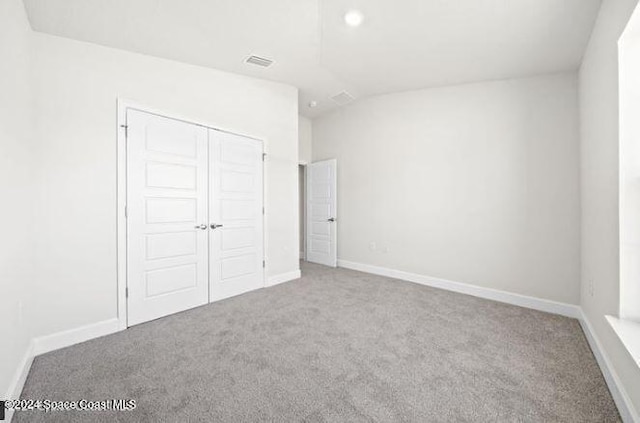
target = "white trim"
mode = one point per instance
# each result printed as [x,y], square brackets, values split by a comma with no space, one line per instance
[265,158]
[121,203]
[123,103]
[620,396]
[548,306]
[629,333]
[55,341]
[19,378]
[303,218]
[283,277]
[48,343]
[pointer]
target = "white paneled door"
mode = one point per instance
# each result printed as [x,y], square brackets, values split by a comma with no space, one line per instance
[167,167]
[236,239]
[194,215]
[321,213]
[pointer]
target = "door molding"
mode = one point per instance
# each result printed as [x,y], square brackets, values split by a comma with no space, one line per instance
[303,200]
[122,105]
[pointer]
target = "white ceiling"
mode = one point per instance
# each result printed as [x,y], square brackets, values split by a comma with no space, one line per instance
[402,44]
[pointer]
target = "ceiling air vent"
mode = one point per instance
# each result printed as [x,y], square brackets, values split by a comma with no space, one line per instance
[259,61]
[342,98]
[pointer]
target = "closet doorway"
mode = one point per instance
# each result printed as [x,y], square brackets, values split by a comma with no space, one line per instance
[194,215]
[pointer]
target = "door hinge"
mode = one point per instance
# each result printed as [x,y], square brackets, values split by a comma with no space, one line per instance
[263,210]
[126,212]
[126,130]
[126,292]
[264,263]
[263,156]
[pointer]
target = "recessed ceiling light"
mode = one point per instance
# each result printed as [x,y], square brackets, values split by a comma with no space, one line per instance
[353,18]
[313,104]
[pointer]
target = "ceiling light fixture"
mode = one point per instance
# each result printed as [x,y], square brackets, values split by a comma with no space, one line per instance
[354,18]
[313,104]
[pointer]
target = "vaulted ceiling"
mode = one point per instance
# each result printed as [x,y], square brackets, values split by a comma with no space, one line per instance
[401,44]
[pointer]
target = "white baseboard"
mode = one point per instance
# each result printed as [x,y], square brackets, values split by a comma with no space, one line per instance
[48,343]
[19,378]
[628,413]
[621,398]
[45,344]
[548,306]
[283,277]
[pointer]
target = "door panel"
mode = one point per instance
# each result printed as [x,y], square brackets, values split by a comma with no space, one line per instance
[170,210]
[167,257]
[236,193]
[171,279]
[321,213]
[169,245]
[169,175]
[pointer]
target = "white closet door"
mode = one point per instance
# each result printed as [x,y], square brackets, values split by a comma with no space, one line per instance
[167,165]
[321,213]
[236,215]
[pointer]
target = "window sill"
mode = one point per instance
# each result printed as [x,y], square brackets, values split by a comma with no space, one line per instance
[629,333]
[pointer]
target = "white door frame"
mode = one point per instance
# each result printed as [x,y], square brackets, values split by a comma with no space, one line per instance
[303,218]
[121,194]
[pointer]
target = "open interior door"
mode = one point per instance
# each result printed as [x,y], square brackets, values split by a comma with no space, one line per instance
[321,213]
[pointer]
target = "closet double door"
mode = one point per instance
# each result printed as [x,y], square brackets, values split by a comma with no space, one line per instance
[194,215]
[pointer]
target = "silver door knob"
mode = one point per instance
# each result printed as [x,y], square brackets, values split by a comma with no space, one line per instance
[213,226]
[331,219]
[203,227]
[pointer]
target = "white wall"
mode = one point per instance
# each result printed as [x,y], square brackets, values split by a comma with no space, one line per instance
[76,89]
[17,223]
[475,183]
[304,136]
[301,208]
[599,160]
